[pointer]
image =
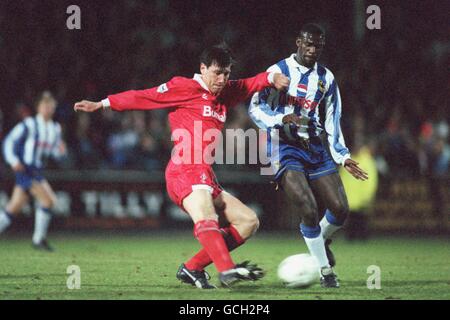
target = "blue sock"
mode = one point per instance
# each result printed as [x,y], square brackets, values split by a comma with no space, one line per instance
[309,232]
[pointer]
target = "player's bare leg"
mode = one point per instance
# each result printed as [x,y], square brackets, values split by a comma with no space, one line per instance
[298,190]
[243,219]
[43,192]
[200,206]
[243,224]
[331,195]
[18,199]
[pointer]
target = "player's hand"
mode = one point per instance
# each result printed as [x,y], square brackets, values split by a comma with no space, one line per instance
[352,167]
[62,148]
[292,118]
[87,106]
[18,167]
[280,81]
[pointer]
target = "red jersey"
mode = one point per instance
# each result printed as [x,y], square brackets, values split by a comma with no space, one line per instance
[195,108]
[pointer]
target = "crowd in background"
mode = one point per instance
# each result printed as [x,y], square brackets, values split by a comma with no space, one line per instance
[394,82]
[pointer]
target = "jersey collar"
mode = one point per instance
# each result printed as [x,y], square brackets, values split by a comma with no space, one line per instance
[198,78]
[293,63]
[41,119]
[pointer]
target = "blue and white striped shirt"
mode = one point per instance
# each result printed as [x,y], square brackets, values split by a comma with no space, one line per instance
[306,91]
[32,141]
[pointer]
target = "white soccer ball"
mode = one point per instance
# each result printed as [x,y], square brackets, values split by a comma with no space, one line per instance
[299,271]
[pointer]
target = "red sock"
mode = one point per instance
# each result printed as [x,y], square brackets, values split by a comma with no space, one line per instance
[201,260]
[208,234]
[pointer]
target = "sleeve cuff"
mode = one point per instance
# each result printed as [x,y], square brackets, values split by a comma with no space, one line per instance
[106,104]
[14,162]
[270,77]
[347,156]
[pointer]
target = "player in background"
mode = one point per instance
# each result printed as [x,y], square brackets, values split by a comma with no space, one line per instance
[302,165]
[202,102]
[26,149]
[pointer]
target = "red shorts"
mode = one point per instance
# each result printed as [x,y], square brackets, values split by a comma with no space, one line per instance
[182,179]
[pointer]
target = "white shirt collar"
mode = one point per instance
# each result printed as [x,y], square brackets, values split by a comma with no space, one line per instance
[41,119]
[198,78]
[293,63]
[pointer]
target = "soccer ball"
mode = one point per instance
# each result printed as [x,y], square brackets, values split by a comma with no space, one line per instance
[299,271]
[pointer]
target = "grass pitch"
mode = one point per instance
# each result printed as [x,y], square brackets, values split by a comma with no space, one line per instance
[143,267]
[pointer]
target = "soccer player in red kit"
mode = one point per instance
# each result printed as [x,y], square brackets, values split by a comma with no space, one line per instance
[191,183]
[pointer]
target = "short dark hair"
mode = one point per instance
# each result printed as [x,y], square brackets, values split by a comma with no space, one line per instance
[312,28]
[219,54]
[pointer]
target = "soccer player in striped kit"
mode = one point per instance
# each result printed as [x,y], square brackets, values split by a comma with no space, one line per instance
[303,167]
[25,149]
[199,105]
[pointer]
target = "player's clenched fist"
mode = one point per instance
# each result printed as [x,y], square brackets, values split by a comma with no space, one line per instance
[280,81]
[87,106]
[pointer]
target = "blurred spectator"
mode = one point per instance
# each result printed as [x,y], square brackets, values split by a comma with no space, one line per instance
[86,153]
[435,159]
[122,144]
[360,194]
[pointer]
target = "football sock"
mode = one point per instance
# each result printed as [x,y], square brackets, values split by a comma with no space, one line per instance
[41,223]
[201,260]
[315,244]
[329,224]
[5,220]
[208,234]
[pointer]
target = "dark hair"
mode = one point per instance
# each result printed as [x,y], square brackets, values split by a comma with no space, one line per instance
[312,28]
[219,54]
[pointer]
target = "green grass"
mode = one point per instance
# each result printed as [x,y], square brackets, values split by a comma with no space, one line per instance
[143,267]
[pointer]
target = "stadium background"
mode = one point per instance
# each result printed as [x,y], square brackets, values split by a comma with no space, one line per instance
[394,85]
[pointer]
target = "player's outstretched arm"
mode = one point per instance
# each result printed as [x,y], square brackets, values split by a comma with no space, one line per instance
[87,106]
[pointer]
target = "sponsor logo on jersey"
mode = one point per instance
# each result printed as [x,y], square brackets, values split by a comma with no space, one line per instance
[209,112]
[321,86]
[299,102]
[302,88]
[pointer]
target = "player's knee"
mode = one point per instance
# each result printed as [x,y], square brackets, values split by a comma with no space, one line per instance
[49,202]
[340,210]
[13,209]
[250,224]
[255,224]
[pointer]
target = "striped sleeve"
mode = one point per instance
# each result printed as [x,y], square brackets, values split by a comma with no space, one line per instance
[260,111]
[333,106]
[10,143]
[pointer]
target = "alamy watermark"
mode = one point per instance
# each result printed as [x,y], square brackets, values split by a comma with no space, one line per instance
[374,20]
[74,278]
[236,147]
[374,280]
[73,22]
